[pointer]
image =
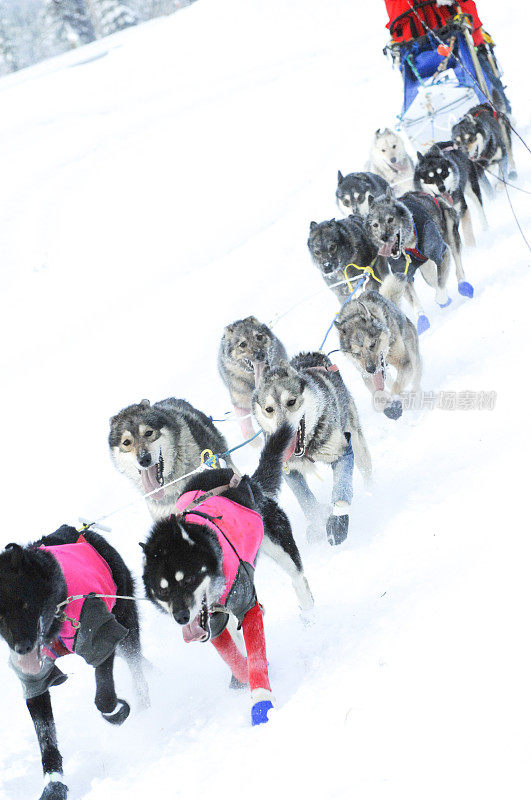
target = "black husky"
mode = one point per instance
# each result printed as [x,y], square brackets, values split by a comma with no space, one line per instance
[33,616]
[335,244]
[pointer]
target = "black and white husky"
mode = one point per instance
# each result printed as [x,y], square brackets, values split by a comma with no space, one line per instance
[310,395]
[33,589]
[447,172]
[485,136]
[353,190]
[186,573]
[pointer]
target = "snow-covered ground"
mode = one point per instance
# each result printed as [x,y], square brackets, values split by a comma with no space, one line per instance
[155,187]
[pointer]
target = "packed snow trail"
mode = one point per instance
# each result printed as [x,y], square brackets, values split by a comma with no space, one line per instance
[151,197]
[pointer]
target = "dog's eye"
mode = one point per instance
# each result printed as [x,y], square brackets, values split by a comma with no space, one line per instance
[147,434]
[316,250]
[332,248]
[127,443]
[374,224]
[346,201]
[389,219]
[394,146]
[291,402]
[269,409]
[259,337]
[242,345]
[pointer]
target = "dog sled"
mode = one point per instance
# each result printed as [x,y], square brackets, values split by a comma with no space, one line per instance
[443,78]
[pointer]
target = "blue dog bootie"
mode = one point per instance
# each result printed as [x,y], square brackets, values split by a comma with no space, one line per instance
[262,705]
[423,323]
[259,712]
[465,288]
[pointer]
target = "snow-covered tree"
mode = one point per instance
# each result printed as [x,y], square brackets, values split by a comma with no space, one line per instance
[69,24]
[113,15]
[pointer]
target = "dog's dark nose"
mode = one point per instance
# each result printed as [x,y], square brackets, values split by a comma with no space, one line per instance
[371,368]
[259,357]
[181,616]
[23,647]
[144,458]
[393,160]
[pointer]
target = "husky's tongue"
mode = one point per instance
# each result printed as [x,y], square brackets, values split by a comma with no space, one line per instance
[258,370]
[290,449]
[378,381]
[150,482]
[387,249]
[193,632]
[29,663]
[448,197]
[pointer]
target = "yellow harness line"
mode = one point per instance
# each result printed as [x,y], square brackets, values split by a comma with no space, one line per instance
[206,454]
[368,270]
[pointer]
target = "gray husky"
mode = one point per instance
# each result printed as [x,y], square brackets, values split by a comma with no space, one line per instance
[373,332]
[406,233]
[309,393]
[353,190]
[247,347]
[389,159]
[154,444]
[339,245]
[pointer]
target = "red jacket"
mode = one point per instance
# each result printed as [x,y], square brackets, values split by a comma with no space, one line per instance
[405,24]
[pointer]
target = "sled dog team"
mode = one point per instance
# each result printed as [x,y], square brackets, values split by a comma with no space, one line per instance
[71,592]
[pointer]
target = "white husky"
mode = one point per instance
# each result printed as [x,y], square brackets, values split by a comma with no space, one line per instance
[390,160]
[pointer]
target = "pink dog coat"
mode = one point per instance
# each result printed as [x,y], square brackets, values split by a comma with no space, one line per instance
[84,571]
[242,526]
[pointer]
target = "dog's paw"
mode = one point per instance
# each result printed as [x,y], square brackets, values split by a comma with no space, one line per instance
[337,529]
[393,410]
[260,711]
[120,713]
[55,790]
[423,323]
[465,288]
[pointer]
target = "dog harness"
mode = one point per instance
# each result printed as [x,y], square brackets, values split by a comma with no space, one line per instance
[239,531]
[89,629]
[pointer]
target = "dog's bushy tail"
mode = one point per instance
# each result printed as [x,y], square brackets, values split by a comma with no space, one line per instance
[393,288]
[268,474]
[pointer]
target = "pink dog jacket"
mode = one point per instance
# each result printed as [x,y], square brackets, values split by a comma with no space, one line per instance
[85,571]
[242,527]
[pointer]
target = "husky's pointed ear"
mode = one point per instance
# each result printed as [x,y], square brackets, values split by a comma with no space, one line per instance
[313,225]
[370,200]
[144,402]
[378,132]
[419,155]
[283,363]
[389,194]
[339,323]
[143,546]
[228,328]
[16,554]
[339,176]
